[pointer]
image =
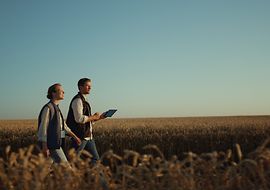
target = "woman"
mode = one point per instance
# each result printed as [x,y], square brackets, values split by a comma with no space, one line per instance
[52,127]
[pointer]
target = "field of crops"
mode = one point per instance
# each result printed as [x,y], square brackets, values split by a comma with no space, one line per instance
[173,136]
[152,153]
[209,171]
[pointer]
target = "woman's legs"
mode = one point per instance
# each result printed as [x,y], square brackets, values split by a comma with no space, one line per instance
[58,155]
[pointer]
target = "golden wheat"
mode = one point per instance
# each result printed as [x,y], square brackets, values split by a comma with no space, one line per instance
[215,170]
[160,153]
[173,136]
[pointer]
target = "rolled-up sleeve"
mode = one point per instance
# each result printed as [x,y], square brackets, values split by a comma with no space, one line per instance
[77,107]
[42,129]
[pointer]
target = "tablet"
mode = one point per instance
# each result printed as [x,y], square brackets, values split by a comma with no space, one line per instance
[109,113]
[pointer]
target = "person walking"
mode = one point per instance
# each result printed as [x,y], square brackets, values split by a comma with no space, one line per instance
[52,127]
[80,120]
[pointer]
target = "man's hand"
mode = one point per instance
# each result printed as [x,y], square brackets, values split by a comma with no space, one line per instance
[96,116]
[102,116]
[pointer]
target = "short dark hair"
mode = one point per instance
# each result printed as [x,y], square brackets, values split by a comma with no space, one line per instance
[82,81]
[52,89]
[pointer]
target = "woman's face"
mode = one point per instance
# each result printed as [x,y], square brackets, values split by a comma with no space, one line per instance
[59,94]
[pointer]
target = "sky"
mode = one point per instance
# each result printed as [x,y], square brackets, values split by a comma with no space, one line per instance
[146,58]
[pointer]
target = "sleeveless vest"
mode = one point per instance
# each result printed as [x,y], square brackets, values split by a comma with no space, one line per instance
[54,140]
[82,130]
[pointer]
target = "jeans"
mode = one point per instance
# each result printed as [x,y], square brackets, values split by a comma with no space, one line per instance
[89,146]
[58,155]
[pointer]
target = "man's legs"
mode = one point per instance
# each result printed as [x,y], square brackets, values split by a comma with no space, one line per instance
[91,148]
[80,148]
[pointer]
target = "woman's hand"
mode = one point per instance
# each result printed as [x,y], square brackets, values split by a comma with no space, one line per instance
[78,140]
[45,149]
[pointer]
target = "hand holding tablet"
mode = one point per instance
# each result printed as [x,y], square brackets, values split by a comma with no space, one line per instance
[109,113]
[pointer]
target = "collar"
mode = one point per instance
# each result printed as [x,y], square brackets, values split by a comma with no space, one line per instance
[57,104]
[84,95]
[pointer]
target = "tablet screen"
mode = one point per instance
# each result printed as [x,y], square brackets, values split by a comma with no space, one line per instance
[110,112]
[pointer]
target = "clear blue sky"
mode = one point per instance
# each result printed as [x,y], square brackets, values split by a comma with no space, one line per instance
[147,58]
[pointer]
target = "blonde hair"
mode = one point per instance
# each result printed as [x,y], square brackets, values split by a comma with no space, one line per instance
[52,89]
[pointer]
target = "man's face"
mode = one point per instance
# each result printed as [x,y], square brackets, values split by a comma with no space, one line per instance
[59,94]
[85,89]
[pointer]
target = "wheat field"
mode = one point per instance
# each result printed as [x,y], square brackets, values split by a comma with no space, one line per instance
[150,153]
[173,136]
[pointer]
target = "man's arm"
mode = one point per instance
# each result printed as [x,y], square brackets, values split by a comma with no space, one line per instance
[77,107]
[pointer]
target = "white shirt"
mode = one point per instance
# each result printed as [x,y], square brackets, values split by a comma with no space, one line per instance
[44,123]
[77,107]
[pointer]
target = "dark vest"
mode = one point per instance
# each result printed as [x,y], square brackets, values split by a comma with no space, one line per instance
[54,129]
[82,130]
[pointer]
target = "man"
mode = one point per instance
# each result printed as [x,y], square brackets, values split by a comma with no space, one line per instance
[52,127]
[80,119]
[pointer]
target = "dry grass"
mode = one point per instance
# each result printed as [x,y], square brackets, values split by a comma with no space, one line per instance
[17,133]
[209,171]
[173,136]
[178,135]
[176,161]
